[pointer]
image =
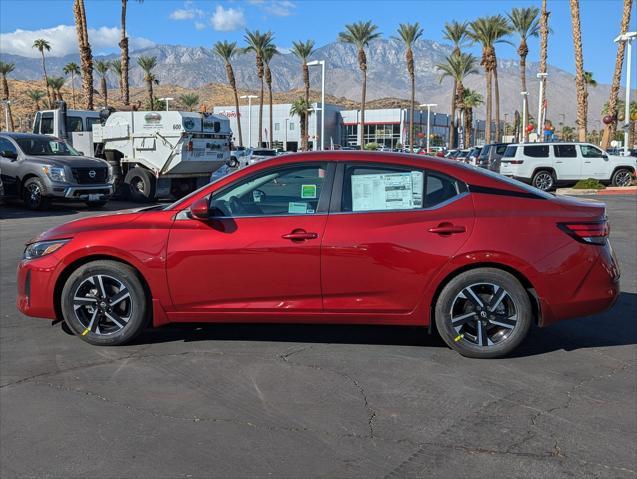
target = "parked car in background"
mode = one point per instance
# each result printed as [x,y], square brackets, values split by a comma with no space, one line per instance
[404,240]
[490,156]
[547,165]
[41,168]
[462,155]
[473,155]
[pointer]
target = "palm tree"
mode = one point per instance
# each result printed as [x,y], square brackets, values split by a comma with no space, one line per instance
[5,69]
[568,133]
[36,96]
[589,81]
[102,68]
[72,69]
[458,66]
[488,31]
[457,34]
[227,51]
[124,58]
[189,100]
[609,131]
[258,43]
[544,40]
[525,23]
[470,99]
[303,51]
[42,45]
[116,67]
[147,64]
[410,33]
[301,108]
[360,34]
[580,82]
[86,58]
[56,84]
[269,52]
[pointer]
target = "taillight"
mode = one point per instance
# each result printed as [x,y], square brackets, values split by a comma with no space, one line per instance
[189,146]
[589,233]
[516,162]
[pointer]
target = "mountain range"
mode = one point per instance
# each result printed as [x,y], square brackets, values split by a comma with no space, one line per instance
[193,67]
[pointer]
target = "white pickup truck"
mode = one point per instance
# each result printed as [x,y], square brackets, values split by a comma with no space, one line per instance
[547,165]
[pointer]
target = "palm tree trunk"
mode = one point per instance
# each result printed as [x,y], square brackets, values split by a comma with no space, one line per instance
[5,94]
[523,52]
[468,123]
[452,123]
[73,89]
[579,70]
[149,90]
[86,60]
[411,113]
[544,38]
[233,84]
[306,120]
[104,91]
[270,134]
[123,45]
[489,106]
[498,138]
[46,81]
[609,130]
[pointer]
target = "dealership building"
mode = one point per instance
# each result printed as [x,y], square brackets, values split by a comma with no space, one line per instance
[387,127]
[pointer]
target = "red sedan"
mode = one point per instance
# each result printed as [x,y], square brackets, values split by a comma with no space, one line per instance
[333,237]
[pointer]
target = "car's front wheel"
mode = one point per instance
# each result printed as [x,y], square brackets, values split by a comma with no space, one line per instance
[34,194]
[104,302]
[483,313]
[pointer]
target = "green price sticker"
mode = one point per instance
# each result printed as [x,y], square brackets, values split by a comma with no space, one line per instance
[308,191]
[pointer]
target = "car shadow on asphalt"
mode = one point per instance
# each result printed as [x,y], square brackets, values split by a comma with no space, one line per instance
[14,209]
[616,327]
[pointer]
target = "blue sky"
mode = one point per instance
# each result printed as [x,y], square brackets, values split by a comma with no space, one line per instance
[202,22]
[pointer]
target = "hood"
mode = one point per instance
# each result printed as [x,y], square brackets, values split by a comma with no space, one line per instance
[70,161]
[108,221]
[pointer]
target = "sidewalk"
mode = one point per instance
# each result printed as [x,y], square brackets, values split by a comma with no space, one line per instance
[611,190]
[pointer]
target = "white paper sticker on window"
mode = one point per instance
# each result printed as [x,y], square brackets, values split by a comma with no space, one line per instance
[391,191]
[297,208]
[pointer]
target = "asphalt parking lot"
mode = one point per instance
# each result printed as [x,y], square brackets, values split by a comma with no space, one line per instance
[315,401]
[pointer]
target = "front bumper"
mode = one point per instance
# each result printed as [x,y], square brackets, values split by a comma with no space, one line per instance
[96,192]
[36,283]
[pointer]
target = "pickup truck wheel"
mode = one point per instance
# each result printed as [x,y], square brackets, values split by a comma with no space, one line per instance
[139,185]
[622,177]
[34,194]
[544,180]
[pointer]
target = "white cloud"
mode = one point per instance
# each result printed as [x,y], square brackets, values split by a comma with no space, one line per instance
[63,40]
[279,8]
[187,13]
[200,26]
[227,19]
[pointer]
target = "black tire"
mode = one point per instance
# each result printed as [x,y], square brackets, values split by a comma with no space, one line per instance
[233,162]
[113,159]
[96,327]
[622,177]
[464,325]
[96,204]
[544,180]
[34,194]
[140,185]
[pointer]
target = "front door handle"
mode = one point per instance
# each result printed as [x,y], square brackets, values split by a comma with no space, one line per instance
[299,235]
[446,229]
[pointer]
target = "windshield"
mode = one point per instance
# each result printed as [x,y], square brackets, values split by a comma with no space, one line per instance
[264,152]
[36,146]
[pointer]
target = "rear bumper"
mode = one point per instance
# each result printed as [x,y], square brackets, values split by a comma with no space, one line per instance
[596,292]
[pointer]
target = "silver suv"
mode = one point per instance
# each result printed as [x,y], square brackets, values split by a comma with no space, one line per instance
[40,168]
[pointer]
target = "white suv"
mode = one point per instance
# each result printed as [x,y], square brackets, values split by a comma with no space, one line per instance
[545,165]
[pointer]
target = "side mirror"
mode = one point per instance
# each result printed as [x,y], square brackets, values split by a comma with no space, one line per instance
[199,209]
[9,154]
[605,157]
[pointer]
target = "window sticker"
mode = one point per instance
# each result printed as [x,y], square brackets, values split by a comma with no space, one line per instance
[298,208]
[391,191]
[308,191]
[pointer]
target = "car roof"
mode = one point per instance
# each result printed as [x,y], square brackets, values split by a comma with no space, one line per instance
[15,135]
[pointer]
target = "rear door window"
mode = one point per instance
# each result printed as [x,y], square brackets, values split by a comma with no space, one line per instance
[500,149]
[565,151]
[536,151]
[74,123]
[510,151]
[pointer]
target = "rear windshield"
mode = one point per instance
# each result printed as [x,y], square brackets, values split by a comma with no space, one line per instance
[537,151]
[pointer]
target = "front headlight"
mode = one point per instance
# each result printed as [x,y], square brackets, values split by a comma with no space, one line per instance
[42,248]
[55,173]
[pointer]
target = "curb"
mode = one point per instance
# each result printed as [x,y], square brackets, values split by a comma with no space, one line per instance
[611,190]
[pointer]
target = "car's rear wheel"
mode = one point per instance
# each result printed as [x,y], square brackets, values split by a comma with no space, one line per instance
[483,313]
[139,185]
[622,177]
[104,302]
[544,180]
[34,194]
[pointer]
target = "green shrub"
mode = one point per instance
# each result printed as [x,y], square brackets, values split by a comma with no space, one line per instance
[371,146]
[588,184]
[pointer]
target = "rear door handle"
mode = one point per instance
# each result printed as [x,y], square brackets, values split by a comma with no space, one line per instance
[447,229]
[299,235]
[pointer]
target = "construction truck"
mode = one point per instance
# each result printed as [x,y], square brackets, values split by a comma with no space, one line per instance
[153,154]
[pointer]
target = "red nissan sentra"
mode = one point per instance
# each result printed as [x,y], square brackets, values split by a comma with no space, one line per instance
[333,237]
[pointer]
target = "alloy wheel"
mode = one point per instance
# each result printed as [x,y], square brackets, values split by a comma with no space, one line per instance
[34,195]
[483,314]
[102,304]
[543,181]
[623,178]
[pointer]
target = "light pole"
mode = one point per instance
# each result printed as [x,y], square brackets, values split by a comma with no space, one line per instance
[249,97]
[285,147]
[524,120]
[166,100]
[429,106]
[322,63]
[540,121]
[6,104]
[628,38]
